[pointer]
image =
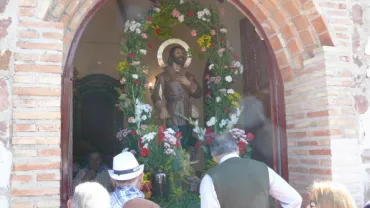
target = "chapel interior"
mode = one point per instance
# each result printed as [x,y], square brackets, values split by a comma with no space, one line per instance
[96,119]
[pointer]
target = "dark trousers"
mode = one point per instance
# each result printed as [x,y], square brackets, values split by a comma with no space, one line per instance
[187,136]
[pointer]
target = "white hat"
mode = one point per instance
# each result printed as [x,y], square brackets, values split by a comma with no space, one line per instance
[125,167]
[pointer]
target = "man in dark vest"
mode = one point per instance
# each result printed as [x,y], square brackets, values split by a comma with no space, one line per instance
[242,183]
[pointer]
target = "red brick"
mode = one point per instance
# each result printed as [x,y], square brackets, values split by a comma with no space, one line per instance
[295,116]
[325,132]
[325,39]
[295,47]
[320,171]
[35,192]
[270,5]
[27,3]
[22,205]
[287,73]
[50,35]
[49,127]
[49,152]
[41,68]
[318,114]
[36,115]
[26,12]
[282,58]
[301,22]
[292,7]
[251,5]
[275,42]
[35,166]
[37,91]
[289,31]
[279,18]
[65,19]
[48,177]
[319,24]
[260,14]
[24,127]
[35,141]
[72,7]
[309,161]
[307,37]
[307,143]
[24,152]
[40,46]
[24,103]
[27,34]
[310,10]
[21,178]
[297,134]
[320,152]
[40,24]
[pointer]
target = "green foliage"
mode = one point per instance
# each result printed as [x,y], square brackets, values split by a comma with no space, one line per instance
[188,200]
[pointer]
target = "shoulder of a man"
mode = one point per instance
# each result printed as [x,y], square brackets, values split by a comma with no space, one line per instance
[142,203]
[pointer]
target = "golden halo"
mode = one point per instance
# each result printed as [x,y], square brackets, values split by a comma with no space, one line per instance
[171,42]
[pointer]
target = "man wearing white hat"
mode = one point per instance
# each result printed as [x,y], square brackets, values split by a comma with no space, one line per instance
[128,176]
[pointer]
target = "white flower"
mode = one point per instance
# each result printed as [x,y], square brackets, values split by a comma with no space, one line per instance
[132,28]
[223,30]
[218,99]
[148,137]
[181,1]
[143,51]
[211,121]
[135,76]
[138,31]
[228,78]
[230,91]
[211,66]
[170,151]
[181,18]
[146,146]
[223,123]
[170,131]
[156,9]
[143,117]
[166,145]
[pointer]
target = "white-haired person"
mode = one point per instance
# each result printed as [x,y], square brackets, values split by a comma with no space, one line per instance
[128,177]
[237,182]
[89,195]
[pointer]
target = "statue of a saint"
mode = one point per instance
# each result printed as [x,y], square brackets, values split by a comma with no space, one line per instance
[172,92]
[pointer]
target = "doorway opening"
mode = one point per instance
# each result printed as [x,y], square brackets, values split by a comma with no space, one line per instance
[89,117]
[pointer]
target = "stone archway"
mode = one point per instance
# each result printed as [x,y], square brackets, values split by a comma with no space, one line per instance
[295,32]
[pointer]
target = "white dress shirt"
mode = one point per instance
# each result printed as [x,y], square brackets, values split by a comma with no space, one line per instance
[279,189]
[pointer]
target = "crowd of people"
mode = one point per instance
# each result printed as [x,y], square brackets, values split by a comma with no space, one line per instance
[234,183]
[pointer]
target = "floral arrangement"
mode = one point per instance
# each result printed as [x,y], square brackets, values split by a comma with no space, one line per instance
[159,147]
[147,185]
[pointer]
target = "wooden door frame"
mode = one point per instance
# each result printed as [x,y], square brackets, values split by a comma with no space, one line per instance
[276,89]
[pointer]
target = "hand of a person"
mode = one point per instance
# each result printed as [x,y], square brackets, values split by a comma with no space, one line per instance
[90,175]
[164,114]
[183,80]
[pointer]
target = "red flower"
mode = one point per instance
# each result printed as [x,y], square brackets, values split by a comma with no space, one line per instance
[190,13]
[144,152]
[149,45]
[162,129]
[131,55]
[149,19]
[242,151]
[213,44]
[133,132]
[137,82]
[158,31]
[250,136]
[208,95]
[198,144]
[241,144]
[235,57]
[178,135]
[209,131]
[209,140]
[222,39]
[232,68]
[226,108]
[207,76]
[178,143]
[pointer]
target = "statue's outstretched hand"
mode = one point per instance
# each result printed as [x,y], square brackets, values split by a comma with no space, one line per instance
[164,114]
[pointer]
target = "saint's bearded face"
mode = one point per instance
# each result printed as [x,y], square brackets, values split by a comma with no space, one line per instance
[179,56]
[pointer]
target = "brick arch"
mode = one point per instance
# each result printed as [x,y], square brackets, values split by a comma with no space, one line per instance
[294,28]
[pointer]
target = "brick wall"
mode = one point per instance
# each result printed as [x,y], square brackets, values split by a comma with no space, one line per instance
[35,180]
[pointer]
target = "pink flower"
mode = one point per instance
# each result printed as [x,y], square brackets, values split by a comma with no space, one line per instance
[193,33]
[203,49]
[135,63]
[131,119]
[145,71]
[221,51]
[175,13]
[144,35]
[222,11]
[213,79]
[213,32]
[143,127]
[123,80]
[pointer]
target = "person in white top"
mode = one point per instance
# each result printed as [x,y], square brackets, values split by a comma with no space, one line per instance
[218,189]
